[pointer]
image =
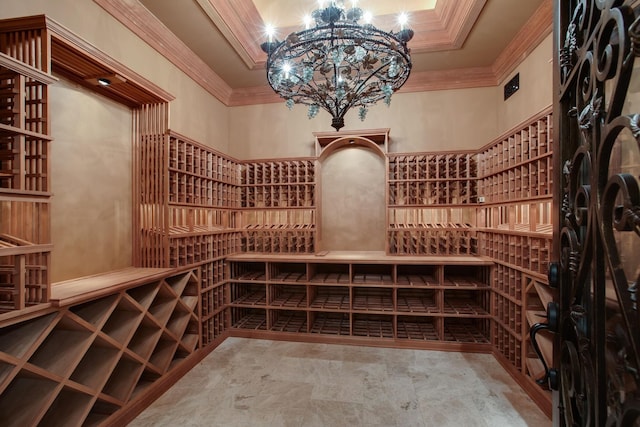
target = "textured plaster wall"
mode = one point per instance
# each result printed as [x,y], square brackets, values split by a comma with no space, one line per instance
[91,183]
[425,121]
[353,216]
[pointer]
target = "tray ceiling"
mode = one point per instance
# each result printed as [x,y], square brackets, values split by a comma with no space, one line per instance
[458,43]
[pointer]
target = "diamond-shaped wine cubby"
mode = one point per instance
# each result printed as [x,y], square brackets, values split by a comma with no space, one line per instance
[111,339]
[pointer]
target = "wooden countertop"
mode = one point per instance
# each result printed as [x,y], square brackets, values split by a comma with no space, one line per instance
[364,257]
[95,286]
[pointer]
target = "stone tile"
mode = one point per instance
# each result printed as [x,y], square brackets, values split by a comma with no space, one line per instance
[324,413]
[248,382]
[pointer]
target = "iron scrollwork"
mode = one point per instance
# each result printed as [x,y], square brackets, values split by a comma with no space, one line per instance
[599,217]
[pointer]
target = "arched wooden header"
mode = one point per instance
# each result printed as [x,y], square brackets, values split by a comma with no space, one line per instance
[327,142]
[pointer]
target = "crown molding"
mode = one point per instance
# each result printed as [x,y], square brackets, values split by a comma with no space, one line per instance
[464,16]
[241,24]
[134,16]
[139,20]
[254,95]
[424,81]
[462,78]
[445,27]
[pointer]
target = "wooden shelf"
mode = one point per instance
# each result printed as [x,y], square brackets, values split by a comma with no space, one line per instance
[466,331]
[528,253]
[287,296]
[329,323]
[329,298]
[288,321]
[363,295]
[418,328]
[417,301]
[68,341]
[17,410]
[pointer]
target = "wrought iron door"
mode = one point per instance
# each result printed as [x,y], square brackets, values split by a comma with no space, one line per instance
[597,235]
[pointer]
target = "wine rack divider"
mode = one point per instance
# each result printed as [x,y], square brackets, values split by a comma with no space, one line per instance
[279,206]
[108,341]
[431,203]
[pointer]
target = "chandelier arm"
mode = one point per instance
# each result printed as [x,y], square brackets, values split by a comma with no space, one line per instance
[317,99]
[358,89]
[406,69]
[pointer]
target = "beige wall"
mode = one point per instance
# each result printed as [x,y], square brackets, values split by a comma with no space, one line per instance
[425,121]
[91,183]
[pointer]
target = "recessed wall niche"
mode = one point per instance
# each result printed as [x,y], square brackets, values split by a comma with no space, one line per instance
[352,214]
[91,230]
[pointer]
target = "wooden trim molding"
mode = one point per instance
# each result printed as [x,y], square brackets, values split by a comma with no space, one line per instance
[26,70]
[462,78]
[254,95]
[134,16]
[447,26]
[348,140]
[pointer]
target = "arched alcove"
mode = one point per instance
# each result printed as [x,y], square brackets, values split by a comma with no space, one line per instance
[352,206]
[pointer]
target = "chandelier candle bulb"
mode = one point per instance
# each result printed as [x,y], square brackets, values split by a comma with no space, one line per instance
[335,63]
[403,19]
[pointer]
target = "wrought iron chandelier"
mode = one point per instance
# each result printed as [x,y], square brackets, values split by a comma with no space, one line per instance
[338,64]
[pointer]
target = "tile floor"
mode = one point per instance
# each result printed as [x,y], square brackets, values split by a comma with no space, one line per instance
[248,382]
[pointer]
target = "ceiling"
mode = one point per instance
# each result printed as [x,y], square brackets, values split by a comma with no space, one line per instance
[463,43]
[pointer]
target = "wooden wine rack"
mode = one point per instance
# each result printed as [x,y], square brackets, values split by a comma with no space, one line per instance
[431,204]
[193,217]
[514,228]
[101,350]
[197,209]
[200,176]
[279,206]
[435,302]
[519,165]
[25,178]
